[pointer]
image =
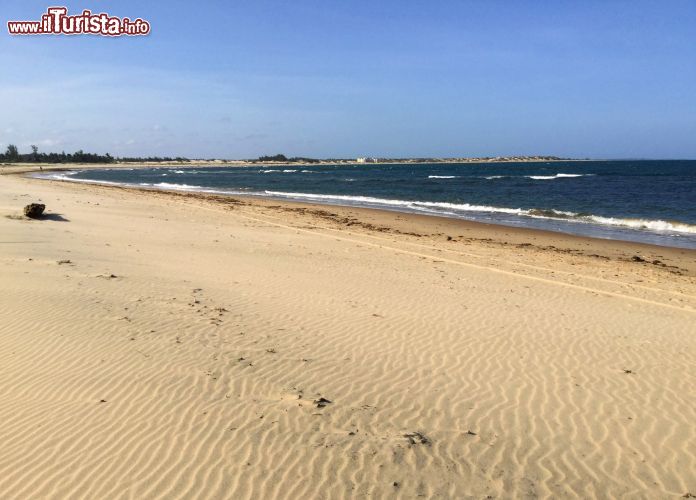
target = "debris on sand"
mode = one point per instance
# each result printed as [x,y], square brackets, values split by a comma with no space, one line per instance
[418,438]
[322,402]
[34,210]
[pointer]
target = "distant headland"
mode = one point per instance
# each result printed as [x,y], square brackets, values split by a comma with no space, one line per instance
[13,156]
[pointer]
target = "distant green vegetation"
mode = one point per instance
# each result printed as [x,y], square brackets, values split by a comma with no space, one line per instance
[12,155]
[277,157]
[284,159]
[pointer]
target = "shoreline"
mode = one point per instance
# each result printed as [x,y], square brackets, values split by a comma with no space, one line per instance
[161,344]
[618,229]
[420,225]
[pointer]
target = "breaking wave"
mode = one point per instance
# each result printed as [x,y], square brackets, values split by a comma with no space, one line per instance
[549,177]
[536,177]
[444,208]
[169,185]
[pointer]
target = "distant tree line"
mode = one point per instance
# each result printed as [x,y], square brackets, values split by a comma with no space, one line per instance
[12,155]
[284,159]
[277,157]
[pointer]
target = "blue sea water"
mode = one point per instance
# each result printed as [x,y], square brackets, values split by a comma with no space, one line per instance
[644,201]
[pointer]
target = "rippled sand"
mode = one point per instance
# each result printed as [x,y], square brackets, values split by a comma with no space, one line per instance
[170,346]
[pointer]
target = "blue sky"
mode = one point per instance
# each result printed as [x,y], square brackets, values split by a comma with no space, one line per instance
[603,79]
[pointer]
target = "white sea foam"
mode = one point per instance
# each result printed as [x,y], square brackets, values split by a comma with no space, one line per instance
[645,224]
[66,176]
[652,225]
[59,176]
[169,185]
[549,177]
[429,206]
[459,208]
[442,176]
[273,171]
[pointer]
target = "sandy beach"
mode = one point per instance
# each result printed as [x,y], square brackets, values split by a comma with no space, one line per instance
[162,345]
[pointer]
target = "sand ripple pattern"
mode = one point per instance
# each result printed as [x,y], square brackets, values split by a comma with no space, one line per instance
[124,375]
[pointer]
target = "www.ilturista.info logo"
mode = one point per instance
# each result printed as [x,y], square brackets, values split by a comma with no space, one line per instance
[56,21]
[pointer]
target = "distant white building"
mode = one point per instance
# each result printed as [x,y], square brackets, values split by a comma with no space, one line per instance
[363,159]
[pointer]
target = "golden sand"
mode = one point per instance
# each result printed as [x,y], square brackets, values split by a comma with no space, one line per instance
[171,346]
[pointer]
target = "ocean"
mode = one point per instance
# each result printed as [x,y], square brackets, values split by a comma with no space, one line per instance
[643,201]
